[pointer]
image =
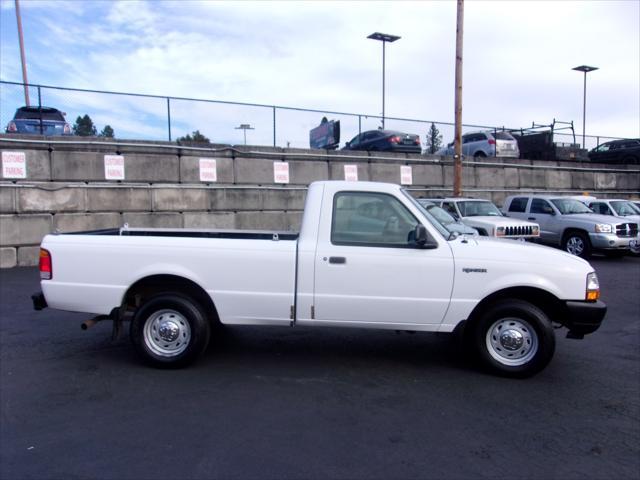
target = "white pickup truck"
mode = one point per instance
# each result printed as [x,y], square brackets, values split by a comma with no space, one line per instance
[367,255]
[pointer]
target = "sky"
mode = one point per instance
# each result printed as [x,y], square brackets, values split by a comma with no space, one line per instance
[517,64]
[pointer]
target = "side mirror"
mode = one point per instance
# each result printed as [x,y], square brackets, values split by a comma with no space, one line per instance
[421,237]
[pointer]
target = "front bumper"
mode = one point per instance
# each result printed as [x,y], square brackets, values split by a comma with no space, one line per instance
[584,317]
[608,241]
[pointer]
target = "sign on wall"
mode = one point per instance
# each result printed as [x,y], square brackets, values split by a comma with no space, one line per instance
[406,175]
[114,167]
[351,173]
[280,172]
[208,170]
[14,165]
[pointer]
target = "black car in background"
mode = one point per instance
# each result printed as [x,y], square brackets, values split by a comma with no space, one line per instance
[617,151]
[385,141]
[39,121]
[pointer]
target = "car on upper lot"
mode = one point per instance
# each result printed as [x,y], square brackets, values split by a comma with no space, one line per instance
[616,207]
[445,219]
[617,151]
[39,121]
[568,223]
[385,141]
[485,144]
[487,219]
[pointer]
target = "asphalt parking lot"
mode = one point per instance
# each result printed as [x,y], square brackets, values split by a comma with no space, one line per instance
[324,403]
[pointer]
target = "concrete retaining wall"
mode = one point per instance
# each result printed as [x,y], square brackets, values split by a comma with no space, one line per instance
[65,187]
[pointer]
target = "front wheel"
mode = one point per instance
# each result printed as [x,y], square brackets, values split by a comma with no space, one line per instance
[170,331]
[514,338]
[577,243]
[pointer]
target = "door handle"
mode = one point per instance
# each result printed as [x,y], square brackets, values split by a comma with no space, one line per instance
[531,218]
[337,260]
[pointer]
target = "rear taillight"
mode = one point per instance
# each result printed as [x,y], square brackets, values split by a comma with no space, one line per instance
[417,140]
[12,127]
[67,129]
[395,139]
[46,272]
[492,141]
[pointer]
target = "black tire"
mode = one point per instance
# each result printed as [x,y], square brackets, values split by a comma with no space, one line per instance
[170,331]
[525,344]
[578,244]
[479,154]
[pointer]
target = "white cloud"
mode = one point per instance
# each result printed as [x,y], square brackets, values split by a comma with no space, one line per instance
[517,59]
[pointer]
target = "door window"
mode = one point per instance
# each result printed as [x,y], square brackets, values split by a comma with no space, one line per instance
[518,204]
[371,219]
[541,206]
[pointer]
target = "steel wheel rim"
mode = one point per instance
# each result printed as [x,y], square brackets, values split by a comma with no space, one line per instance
[503,341]
[167,333]
[575,246]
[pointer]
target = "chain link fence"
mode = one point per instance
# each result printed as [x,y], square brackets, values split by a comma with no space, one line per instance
[150,117]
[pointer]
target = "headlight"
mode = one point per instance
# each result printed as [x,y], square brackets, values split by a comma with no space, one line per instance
[535,231]
[593,288]
[500,232]
[603,228]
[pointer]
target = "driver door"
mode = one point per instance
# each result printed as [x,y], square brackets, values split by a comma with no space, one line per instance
[368,270]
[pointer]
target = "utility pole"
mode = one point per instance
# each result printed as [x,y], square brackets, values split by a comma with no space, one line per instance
[457,138]
[22,57]
[244,127]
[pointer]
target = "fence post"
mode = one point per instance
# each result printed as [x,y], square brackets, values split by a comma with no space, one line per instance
[169,116]
[40,109]
[274,126]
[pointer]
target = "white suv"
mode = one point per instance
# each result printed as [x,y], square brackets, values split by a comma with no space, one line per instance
[485,217]
[486,144]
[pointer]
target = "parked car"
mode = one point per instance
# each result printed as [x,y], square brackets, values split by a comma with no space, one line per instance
[446,220]
[385,141]
[568,223]
[616,207]
[617,151]
[485,144]
[39,121]
[487,219]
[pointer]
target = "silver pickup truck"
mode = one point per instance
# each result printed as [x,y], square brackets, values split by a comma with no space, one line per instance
[568,223]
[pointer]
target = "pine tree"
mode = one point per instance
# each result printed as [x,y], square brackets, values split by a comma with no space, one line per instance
[84,127]
[194,137]
[434,139]
[107,131]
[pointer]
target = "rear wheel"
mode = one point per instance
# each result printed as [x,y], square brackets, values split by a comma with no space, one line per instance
[577,243]
[479,154]
[170,331]
[514,338]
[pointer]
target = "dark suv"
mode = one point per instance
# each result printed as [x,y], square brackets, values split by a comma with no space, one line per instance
[39,121]
[617,151]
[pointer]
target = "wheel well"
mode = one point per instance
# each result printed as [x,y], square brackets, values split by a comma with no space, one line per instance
[148,287]
[545,301]
[569,231]
[482,232]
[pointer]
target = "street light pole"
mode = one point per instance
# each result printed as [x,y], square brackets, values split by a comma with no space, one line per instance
[244,127]
[586,69]
[384,38]
[22,56]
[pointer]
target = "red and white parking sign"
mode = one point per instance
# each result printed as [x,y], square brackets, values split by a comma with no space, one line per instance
[208,170]
[406,175]
[351,173]
[280,172]
[114,167]
[14,165]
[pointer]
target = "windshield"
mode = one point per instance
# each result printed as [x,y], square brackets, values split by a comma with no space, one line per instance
[477,209]
[446,233]
[624,208]
[568,206]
